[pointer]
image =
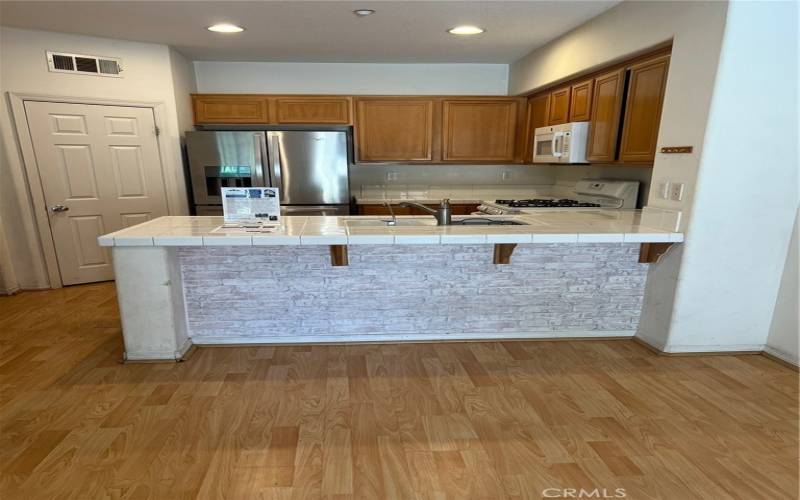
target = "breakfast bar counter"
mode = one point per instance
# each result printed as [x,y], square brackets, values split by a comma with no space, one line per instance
[183,281]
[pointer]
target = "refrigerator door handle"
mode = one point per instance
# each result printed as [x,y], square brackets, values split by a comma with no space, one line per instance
[261,156]
[275,161]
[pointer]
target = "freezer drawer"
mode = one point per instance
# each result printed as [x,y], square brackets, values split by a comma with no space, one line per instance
[332,210]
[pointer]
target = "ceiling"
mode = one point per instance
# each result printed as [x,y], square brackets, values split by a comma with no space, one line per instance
[320,31]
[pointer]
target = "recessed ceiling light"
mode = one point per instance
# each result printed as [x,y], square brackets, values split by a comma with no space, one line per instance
[225,28]
[466,30]
[363,12]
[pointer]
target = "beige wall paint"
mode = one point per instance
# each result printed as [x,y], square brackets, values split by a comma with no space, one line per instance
[147,76]
[351,78]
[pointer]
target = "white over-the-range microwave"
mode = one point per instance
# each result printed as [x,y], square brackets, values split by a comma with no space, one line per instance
[564,143]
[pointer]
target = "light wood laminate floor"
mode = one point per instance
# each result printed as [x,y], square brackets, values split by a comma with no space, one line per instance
[432,421]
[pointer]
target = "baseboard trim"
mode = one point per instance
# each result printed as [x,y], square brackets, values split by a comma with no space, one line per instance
[203,340]
[707,350]
[700,350]
[177,356]
[782,357]
[647,345]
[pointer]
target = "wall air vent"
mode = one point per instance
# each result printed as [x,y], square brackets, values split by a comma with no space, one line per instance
[61,62]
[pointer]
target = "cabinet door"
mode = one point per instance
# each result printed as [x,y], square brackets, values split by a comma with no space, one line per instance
[394,129]
[478,130]
[230,109]
[559,106]
[302,109]
[606,110]
[537,117]
[580,105]
[646,85]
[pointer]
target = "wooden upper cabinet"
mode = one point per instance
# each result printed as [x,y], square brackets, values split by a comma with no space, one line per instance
[394,129]
[537,117]
[210,108]
[646,84]
[580,104]
[606,110]
[479,130]
[303,109]
[559,106]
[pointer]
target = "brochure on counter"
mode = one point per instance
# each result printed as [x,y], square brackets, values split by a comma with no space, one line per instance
[251,209]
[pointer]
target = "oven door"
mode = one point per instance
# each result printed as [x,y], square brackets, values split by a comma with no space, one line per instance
[547,147]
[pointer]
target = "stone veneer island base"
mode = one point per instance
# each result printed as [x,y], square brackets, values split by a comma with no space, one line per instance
[171,298]
[181,282]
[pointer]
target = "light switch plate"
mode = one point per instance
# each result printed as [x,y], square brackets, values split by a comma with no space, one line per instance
[676,191]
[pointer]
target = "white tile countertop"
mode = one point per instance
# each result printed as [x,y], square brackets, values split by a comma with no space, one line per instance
[548,226]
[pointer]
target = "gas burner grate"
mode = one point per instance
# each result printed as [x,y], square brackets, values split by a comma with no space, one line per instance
[546,203]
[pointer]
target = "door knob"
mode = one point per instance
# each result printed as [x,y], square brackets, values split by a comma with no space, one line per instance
[59,208]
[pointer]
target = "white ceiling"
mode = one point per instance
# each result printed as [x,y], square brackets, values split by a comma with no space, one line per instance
[320,31]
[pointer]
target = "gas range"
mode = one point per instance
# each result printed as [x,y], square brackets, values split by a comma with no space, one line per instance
[590,194]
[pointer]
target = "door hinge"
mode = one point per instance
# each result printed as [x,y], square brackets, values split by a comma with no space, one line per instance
[157,131]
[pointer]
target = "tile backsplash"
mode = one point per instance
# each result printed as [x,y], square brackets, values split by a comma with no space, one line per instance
[468,182]
[450,175]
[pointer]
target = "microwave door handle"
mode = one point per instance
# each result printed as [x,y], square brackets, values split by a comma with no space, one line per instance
[261,155]
[275,162]
[555,146]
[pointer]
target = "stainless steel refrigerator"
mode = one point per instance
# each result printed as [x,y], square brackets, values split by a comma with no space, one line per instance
[308,167]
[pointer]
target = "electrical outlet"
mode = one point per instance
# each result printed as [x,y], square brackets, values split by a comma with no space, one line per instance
[676,191]
[391,176]
[663,190]
[506,175]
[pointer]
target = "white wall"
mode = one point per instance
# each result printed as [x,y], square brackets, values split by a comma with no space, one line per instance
[784,332]
[183,85]
[351,78]
[745,204]
[8,278]
[23,69]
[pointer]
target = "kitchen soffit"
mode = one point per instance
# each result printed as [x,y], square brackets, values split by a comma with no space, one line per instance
[327,31]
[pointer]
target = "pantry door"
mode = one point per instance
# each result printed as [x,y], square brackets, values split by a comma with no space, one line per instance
[100,171]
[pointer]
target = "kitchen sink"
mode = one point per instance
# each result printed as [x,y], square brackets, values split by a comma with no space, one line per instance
[384,222]
[457,221]
[487,221]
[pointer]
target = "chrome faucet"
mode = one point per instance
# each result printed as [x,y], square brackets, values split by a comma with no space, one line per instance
[393,220]
[442,214]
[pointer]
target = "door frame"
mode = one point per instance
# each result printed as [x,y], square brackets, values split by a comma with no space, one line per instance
[33,177]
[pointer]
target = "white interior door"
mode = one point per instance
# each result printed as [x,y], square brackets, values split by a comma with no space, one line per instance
[100,171]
